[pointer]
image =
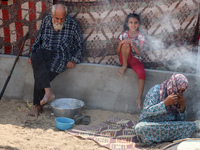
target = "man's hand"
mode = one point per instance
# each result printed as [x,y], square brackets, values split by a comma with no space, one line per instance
[29,60]
[171,100]
[70,64]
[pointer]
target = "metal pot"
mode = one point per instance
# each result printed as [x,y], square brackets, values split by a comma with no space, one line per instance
[67,107]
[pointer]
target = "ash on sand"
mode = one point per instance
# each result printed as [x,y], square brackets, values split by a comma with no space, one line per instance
[22,132]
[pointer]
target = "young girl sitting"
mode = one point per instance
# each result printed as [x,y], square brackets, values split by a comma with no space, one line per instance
[129,50]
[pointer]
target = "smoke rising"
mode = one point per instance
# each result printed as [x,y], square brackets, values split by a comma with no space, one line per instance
[182,58]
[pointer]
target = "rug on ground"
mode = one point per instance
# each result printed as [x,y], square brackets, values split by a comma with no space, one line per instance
[115,133]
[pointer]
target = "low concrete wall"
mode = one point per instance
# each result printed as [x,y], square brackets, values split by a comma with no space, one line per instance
[99,86]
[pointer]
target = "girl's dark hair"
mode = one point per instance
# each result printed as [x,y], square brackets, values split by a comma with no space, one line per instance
[131,15]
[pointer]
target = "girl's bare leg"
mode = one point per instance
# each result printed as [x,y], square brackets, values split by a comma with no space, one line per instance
[49,96]
[140,92]
[125,49]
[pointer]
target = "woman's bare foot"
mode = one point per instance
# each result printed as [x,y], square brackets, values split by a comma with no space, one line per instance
[37,109]
[49,96]
[122,70]
[139,102]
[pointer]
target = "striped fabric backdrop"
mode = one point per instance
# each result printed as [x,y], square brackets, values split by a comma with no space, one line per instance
[170,27]
[16,19]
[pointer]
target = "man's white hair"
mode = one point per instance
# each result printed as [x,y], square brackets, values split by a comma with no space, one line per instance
[54,8]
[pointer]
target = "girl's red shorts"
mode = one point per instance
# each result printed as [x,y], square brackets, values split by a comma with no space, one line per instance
[135,64]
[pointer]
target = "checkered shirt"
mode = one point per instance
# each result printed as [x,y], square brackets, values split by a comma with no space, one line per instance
[65,45]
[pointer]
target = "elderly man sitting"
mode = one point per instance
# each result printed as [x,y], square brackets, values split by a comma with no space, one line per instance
[59,45]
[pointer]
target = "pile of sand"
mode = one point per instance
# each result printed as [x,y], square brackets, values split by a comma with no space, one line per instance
[20,132]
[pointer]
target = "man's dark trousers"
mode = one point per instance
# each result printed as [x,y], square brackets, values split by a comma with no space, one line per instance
[41,63]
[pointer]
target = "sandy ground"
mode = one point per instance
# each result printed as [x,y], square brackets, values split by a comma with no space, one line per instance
[19,132]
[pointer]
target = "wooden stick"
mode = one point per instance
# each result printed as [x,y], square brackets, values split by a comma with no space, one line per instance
[8,78]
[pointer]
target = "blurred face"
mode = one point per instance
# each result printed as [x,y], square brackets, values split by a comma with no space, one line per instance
[133,24]
[58,19]
[181,91]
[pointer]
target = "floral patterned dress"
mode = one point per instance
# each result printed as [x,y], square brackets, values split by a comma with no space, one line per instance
[156,125]
[137,40]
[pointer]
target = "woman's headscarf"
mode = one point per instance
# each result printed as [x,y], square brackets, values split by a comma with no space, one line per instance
[170,86]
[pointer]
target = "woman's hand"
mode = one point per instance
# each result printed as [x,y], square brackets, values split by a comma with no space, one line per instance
[181,101]
[171,100]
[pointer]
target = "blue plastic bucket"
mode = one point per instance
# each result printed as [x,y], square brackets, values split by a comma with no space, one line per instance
[64,123]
